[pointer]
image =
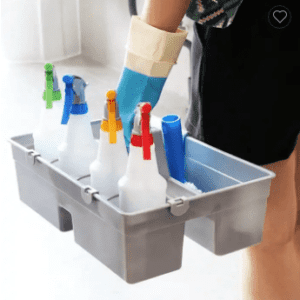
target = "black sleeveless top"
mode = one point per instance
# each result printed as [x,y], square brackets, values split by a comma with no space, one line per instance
[249,77]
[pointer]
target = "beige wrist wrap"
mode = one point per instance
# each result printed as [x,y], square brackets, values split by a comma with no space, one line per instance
[151,51]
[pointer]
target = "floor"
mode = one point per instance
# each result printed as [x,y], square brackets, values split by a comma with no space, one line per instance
[36,259]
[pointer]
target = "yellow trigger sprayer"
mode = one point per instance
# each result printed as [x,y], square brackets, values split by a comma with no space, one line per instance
[112,121]
[111,162]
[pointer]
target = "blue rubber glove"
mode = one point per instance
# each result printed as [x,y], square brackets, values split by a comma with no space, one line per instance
[132,89]
[151,53]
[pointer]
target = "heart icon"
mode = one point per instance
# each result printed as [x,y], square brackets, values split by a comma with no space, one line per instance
[282,17]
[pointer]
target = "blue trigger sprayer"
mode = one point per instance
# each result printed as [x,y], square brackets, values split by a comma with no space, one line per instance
[79,148]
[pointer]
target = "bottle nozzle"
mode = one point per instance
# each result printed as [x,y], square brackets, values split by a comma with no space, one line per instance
[48,67]
[145,126]
[112,123]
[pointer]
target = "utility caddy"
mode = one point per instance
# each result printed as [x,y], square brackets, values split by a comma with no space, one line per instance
[228,216]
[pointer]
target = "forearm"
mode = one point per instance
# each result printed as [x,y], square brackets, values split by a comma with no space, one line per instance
[164,14]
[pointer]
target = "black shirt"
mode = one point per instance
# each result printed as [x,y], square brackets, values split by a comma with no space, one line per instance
[250,79]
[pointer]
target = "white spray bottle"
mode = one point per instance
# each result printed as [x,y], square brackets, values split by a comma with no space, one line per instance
[111,162]
[142,187]
[50,133]
[79,149]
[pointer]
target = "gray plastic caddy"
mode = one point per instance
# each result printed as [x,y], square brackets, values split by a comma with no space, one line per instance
[228,216]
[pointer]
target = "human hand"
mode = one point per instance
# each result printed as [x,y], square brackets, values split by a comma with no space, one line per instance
[133,88]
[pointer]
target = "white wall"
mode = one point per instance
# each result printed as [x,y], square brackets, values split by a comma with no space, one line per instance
[104,29]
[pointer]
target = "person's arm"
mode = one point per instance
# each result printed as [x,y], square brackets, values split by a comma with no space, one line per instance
[153,45]
[164,14]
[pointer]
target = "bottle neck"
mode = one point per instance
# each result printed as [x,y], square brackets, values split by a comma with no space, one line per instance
[137,166]
[106,149]
[79,129]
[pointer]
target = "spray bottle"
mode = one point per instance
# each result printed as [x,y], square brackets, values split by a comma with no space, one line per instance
[79,149]
[111,162]
[142,187]
[50,133]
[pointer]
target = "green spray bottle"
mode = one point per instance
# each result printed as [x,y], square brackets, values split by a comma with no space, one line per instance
[50,133]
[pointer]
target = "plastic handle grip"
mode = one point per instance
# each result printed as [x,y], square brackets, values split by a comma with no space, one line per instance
[68,79]
[112,123]
[145,126]
[174,146]
[49,85]
[49,90]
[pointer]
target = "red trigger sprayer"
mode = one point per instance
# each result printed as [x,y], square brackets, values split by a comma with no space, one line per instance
[147,138]
[142,187]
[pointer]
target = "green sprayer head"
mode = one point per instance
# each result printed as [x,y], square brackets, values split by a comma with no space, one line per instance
[52,91]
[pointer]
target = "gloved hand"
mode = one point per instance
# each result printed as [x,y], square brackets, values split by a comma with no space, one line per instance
[151,53]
